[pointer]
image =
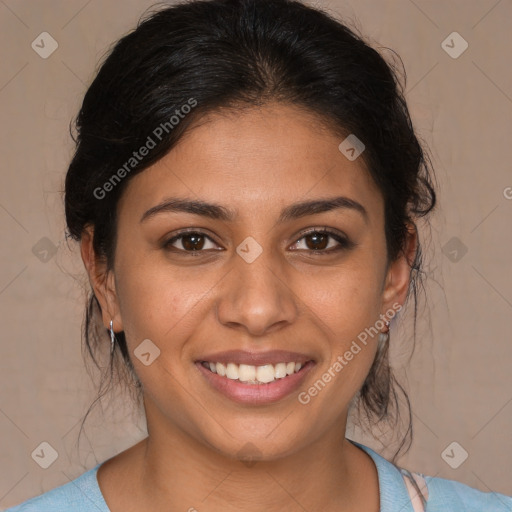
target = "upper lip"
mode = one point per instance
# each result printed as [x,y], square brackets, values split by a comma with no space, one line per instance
[255,358]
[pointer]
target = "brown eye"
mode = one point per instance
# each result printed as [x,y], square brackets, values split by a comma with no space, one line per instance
[322,241]
[193,242]
[190,242]
[317,241]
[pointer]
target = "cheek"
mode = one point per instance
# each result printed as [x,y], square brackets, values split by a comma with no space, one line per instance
[347,315]
[348,300]
[160,302]
[164,307]
[348,304]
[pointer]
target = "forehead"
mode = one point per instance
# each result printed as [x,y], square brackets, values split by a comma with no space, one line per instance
[253,161]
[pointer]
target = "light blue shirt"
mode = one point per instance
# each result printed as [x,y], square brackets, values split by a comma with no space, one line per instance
[84,495]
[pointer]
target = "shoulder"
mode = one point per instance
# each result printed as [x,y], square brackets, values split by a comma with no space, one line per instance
[443,493]
[79,495]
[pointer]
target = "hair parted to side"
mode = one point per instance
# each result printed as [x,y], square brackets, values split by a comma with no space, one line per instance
[232,54]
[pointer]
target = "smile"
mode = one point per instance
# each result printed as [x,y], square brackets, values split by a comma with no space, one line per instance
[254,385]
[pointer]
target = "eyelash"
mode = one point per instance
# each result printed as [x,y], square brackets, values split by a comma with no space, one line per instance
[343,241]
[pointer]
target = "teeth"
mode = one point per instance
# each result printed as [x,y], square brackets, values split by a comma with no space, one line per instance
[280,370]
[265,373]
[254,374]
[246,373]
[232,371]
[221,369]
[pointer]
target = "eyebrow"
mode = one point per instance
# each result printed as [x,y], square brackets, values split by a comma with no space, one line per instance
[218,212]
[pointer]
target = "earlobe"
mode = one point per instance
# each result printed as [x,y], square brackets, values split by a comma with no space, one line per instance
[101,280]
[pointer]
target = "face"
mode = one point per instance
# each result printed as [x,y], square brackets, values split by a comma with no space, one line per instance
[271,266]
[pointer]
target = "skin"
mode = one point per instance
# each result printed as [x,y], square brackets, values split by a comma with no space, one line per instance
[255,162]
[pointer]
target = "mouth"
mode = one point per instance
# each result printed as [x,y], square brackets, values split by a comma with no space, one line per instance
[252,384]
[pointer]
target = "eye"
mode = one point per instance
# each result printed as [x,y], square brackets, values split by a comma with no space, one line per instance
[319,241]
[323,241]
[190,241]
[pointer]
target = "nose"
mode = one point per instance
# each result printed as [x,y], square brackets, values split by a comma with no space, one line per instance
[256,297]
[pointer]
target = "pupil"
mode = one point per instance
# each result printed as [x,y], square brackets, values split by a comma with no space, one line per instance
[318,238]
[194,239]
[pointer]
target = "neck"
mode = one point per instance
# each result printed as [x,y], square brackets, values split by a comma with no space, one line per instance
[178,472]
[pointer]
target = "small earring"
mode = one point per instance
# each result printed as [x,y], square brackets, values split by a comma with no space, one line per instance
[112,338]
[384,335]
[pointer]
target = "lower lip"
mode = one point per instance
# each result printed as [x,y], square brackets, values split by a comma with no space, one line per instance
[256,394]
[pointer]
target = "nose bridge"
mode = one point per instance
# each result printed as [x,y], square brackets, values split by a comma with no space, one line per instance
[256,295]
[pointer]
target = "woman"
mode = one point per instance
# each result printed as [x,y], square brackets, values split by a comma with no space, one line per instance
[245,191]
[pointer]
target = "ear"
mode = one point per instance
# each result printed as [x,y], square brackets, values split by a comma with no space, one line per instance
[399,271]
[102,281]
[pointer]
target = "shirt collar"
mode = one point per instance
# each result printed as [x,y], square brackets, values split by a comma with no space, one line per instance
[393,493]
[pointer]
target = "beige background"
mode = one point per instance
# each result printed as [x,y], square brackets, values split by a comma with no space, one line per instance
[459,377]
